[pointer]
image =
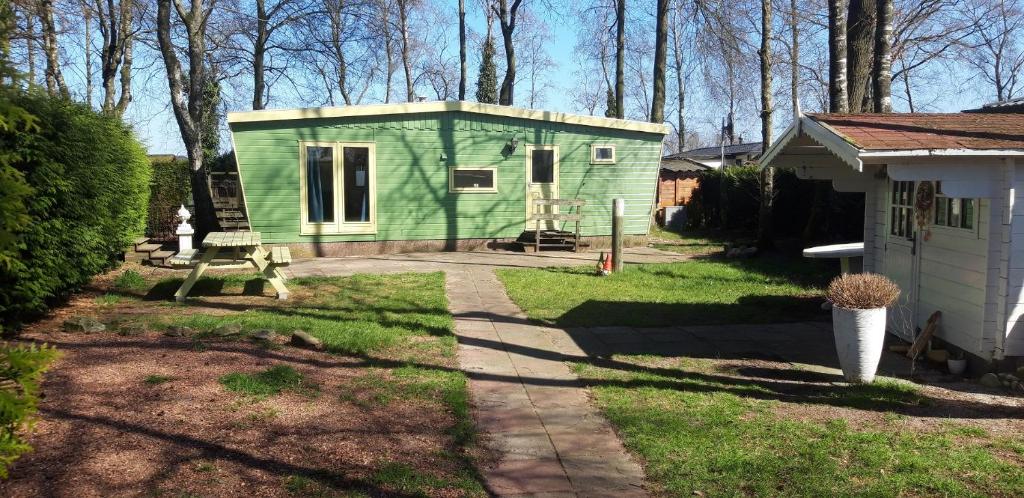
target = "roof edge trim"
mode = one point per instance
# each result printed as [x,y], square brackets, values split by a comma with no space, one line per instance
[428,107]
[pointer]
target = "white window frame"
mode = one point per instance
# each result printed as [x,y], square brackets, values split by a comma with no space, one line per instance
[472,190]
[975,216]
[339,226]
[593,154]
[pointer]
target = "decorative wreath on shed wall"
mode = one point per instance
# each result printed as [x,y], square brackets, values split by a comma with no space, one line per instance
[924,199]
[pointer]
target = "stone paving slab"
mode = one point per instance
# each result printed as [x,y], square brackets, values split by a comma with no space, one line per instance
[530,408]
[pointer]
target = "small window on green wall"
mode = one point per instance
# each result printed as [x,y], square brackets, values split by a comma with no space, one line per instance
[473,180]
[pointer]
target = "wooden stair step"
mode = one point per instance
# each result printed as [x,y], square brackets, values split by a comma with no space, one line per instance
[148,247]
[139,241]
[161,256]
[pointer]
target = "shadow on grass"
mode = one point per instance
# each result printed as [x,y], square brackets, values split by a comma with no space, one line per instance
[748,309]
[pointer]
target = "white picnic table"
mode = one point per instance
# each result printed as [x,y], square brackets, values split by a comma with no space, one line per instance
[246,248]
[841,251]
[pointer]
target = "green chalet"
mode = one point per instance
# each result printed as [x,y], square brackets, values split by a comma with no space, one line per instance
[367,179]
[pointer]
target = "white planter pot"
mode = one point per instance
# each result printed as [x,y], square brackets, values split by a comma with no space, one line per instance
[956,367]
[859,336]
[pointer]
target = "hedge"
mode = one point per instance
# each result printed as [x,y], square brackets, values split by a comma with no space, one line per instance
[841,214]
[170,188]
[89,178]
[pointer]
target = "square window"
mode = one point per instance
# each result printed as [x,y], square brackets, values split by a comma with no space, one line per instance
[602,154]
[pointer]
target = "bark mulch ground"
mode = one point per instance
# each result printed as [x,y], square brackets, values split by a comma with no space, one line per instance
[146,415]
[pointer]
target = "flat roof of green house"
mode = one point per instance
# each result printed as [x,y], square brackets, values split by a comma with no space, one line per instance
[431,107]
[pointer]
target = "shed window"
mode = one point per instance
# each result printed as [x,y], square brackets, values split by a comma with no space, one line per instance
[319,184]
[901,209]
[602,154]
[473,180]
[953,212]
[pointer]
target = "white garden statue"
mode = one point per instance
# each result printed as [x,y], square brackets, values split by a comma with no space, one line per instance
[185,231]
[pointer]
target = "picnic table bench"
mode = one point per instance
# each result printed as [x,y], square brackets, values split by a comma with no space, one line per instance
[246,248]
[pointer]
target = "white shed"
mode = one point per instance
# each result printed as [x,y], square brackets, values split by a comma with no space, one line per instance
[959,251]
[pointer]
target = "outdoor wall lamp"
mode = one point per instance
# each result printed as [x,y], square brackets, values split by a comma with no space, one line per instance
[512,144]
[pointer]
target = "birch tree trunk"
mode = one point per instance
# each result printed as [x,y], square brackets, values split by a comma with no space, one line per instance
[620,58]
[462,49]
[117,32]
[336,11]
[764,215]
[838,100]
[660,56]
[55,84]
[882,91]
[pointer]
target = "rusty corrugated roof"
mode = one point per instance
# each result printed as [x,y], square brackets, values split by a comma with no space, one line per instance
[914,131]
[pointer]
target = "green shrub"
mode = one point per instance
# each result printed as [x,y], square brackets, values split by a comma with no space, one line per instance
[129,280]
[90,188]
[21,368]
[170,188]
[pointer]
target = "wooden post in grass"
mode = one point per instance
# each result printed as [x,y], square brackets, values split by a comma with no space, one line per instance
[618,211]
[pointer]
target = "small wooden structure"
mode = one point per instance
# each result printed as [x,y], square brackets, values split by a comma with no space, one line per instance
[547,210]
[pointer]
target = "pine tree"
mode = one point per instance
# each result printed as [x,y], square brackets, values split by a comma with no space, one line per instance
[487,83]
[611,111]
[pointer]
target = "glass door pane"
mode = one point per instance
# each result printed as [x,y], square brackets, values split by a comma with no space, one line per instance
[356,171]
[319,184]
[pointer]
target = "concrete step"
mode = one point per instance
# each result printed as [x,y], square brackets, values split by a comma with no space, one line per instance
[140,241]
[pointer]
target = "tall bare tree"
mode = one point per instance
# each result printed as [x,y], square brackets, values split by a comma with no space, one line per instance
[620,59]
[404,7]
[794,55]
[188,91]
[507,21]
[119,24]
[838,100]
[55,83]
[660,57]
[462,49]
[860,38]
[997,44]
[767,197]
[882,59]
[680,74]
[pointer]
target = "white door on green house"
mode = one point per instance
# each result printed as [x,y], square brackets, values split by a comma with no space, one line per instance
[901,258]
[541,182]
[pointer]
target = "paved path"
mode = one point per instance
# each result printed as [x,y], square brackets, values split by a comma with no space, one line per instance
[529,407]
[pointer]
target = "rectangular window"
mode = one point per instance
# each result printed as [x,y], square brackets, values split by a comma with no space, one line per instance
[338,186]
[356,167]
[319,184]
[901,210]
[602,154]
[953,212]
[543,162]
[473,180]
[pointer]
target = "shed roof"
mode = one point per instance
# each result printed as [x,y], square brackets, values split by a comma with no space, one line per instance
[893,132]
[438,106]
[672,163]
[716,151]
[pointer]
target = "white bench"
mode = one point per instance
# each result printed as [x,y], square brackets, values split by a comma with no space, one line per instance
[186,258]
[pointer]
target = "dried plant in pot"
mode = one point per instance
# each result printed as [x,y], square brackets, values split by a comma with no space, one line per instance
[859,303]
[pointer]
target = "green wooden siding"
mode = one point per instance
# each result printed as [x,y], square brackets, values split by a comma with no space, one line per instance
[413,201]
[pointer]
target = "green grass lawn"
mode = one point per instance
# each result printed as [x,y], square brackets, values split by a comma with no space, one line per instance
[707,434]
[697,292]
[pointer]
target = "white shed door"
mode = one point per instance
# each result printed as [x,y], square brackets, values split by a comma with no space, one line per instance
[901,260]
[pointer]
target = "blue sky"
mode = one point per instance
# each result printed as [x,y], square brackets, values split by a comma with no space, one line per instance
[150,113]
